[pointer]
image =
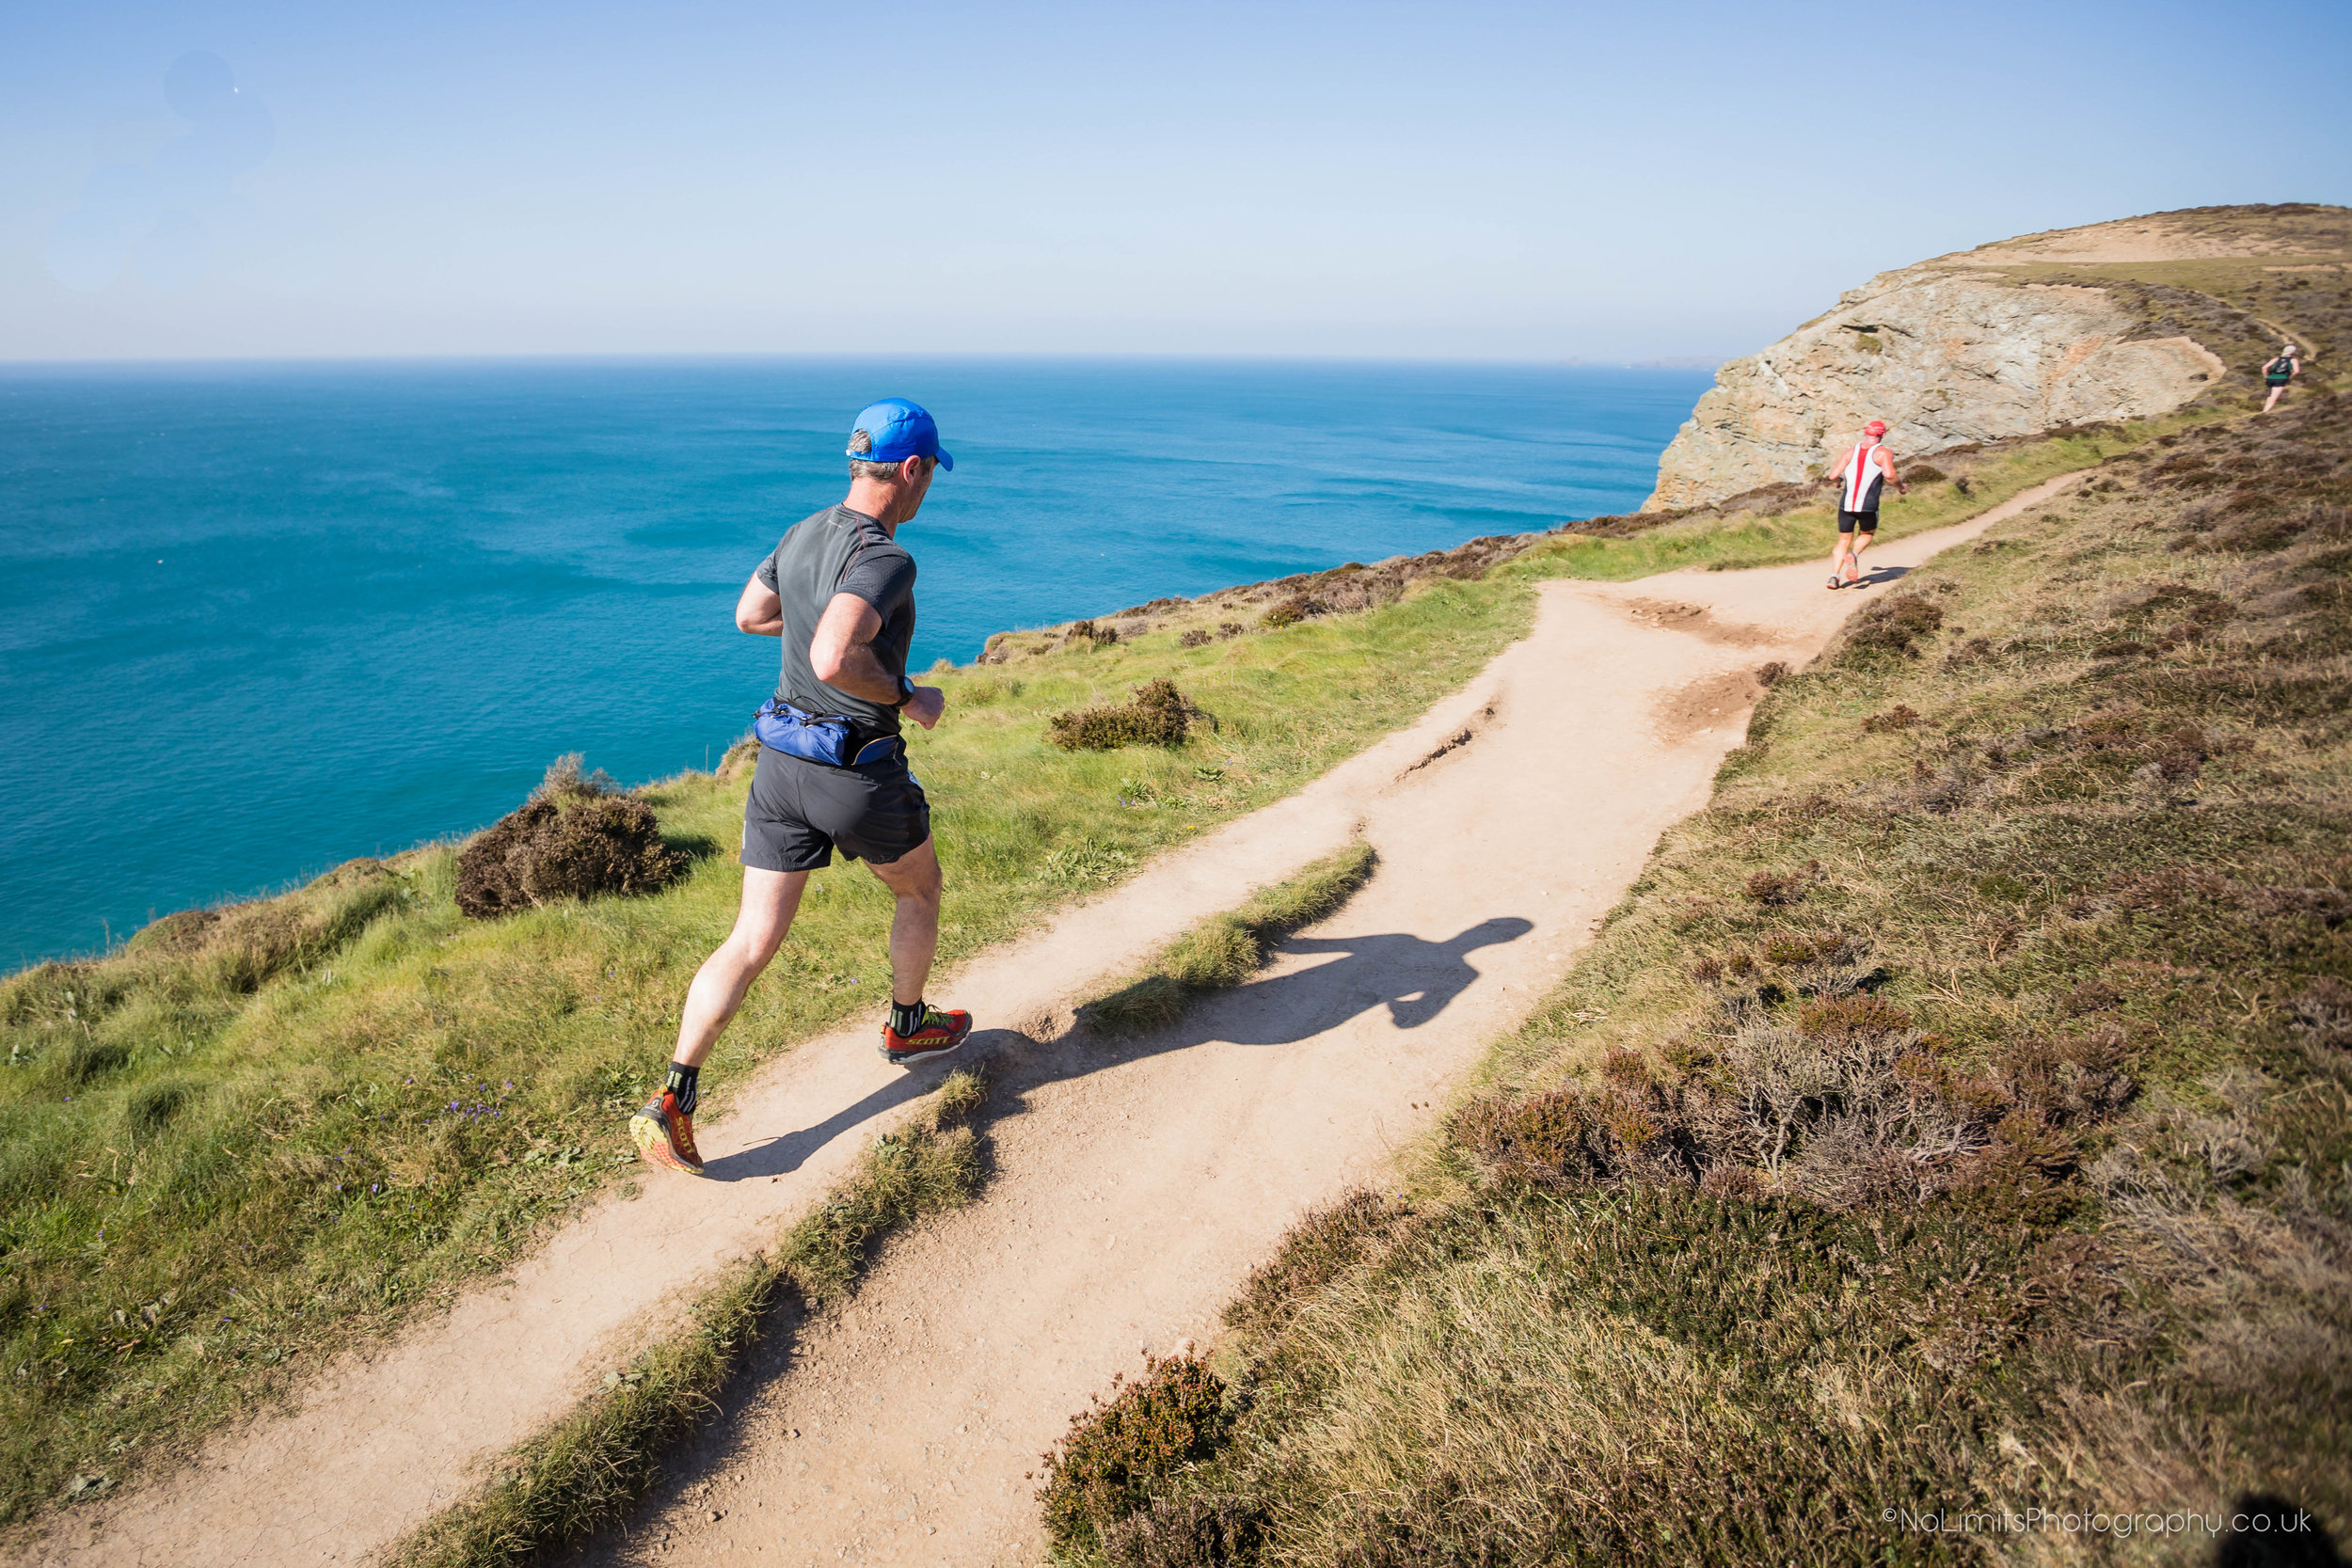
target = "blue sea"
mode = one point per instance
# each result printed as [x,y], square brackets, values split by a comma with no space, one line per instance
[258,619]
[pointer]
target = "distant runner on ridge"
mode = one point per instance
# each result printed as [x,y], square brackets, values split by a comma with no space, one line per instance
[839,592]
[2276,375]
[1861,476]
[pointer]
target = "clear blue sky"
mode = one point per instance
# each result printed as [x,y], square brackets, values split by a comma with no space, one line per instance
[1462,180]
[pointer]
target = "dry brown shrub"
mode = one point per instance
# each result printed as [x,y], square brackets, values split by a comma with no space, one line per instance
[1187,1532]
[1158,715]
[1297,608]
[2091,996]
[2324,1012]
[1836,1017]
[572,839]
[1894,626]
[1778,889]
[1544,1136]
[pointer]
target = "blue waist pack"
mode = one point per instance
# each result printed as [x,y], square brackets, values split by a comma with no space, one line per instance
[782,727]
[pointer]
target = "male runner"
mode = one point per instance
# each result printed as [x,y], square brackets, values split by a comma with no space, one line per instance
[839,591]
[2281,370]
[1861,475]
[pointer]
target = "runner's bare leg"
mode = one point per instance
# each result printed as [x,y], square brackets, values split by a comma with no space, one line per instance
[1861,543]
[916,878]
[771,899]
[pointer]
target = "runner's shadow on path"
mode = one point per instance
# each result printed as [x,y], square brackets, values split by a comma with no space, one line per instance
[1879,576]
[786,1151]
[1415,979]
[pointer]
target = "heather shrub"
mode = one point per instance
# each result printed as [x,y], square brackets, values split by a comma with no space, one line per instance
[1190,1533]
[1893,626]
[1114,1454]
[1157,716]
[573,838]
[1297,608]
[1774,889]
[1312,1253]
[2324,1012]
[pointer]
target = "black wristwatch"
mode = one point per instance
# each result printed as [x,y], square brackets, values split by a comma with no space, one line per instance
[906,693]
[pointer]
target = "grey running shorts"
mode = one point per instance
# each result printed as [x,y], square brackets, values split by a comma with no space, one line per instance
[1857,522]
[799,812]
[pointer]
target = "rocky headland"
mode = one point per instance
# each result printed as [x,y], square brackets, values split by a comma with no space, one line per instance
[2134,318]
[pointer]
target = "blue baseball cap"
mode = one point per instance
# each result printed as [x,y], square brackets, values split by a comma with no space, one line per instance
[900,430]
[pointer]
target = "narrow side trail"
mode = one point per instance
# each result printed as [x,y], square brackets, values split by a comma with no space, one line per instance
[1135,1187]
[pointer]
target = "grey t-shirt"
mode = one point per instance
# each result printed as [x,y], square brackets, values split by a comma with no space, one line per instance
[841,551]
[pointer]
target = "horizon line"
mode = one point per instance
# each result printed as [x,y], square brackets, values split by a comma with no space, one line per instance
[1663,363]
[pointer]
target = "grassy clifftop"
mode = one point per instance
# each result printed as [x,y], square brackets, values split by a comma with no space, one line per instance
[252,1135]
[1956,1118]
[2238,280]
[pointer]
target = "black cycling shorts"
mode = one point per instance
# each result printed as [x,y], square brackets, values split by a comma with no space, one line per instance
[1857,522]
[799,812]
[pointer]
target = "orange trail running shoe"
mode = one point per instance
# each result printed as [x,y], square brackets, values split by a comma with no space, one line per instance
[665,1135]
[942,1030]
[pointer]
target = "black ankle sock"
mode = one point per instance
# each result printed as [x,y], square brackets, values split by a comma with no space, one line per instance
[686,1083]
[906,1016]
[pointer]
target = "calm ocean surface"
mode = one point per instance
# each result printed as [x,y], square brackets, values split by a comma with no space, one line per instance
[256,620]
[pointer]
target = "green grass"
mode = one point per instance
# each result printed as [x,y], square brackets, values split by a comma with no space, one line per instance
[1957,1112]
[587,1469]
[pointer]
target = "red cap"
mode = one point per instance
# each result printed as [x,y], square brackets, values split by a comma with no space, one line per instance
[1876,427]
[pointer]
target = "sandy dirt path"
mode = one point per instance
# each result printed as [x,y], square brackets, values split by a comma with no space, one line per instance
[1135,1187]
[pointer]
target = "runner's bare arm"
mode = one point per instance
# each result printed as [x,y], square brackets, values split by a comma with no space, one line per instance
[759,611]
[1887,461]
[842,655]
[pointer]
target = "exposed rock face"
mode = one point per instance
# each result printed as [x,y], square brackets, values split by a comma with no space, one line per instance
[1944,357]
[2105,322]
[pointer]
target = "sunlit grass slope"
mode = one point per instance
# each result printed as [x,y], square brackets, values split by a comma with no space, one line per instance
[1955,1116]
